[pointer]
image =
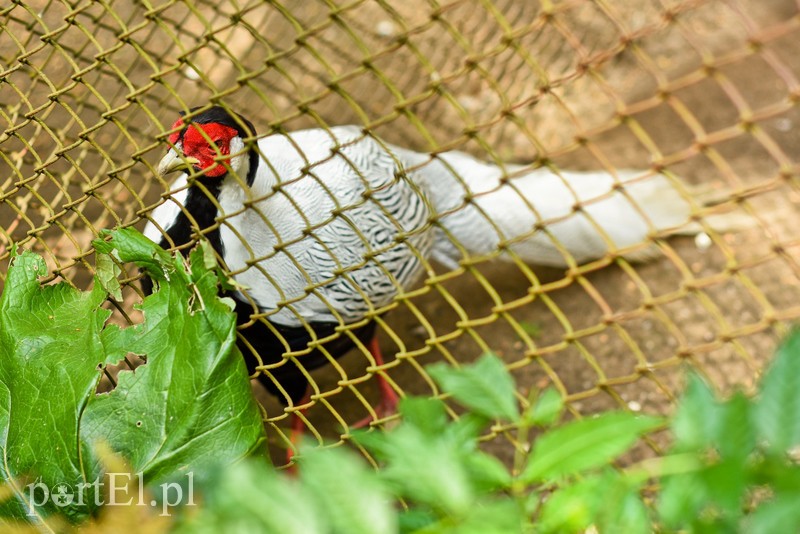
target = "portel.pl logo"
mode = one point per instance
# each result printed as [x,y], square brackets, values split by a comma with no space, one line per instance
[115,491]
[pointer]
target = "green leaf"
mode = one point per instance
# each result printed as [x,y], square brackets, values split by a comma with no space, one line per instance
[777,411]
[107,276]
[488,474]
[251,497]
[501,516]
[349,495]
[681,499]
[428,415]
[697,420]
[425,468]
[189,405]
[572,508]
[415,520]
[50,348]
[725,485]
[607,500]
[737,429]
[781,473]
[485,387]
[624,512]
[546,410]
[466,430]
[781,514]
[585,444]
[132,246]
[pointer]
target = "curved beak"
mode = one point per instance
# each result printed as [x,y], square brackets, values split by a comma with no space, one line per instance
[173,161]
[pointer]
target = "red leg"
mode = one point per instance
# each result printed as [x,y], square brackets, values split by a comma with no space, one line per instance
[298,427]
[389,398]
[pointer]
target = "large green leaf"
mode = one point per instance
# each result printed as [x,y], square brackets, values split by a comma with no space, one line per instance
[585,444]
[189,404]
[50,348]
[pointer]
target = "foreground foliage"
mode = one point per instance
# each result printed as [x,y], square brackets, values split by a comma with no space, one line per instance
[190,405]
[728,467]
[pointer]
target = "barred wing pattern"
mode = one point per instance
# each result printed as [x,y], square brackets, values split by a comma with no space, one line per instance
[331,230]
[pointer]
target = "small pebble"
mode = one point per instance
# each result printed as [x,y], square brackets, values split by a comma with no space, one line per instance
[783,124]
[702,241]
[634,406]
[385,28]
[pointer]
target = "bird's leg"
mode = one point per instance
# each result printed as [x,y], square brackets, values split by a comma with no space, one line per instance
[389,398]
[298,427]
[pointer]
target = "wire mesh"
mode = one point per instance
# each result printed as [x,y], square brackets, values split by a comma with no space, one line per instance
[702,90]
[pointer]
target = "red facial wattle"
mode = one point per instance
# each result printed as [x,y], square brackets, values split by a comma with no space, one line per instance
[196,145]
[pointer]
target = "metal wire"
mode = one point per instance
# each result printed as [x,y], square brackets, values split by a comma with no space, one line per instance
[701,89]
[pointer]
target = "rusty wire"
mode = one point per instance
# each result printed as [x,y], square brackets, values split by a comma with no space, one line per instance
[704,90]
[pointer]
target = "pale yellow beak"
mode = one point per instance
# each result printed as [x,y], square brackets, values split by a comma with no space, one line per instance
[175,162]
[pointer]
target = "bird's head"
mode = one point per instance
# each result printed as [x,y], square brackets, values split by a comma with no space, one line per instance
[210,143]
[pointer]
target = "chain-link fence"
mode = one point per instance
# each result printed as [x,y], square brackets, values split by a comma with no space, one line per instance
[703,91]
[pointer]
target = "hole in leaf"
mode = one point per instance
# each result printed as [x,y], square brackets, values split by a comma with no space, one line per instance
[111,372]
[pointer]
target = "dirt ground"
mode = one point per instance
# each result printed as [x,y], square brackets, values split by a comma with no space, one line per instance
[612,336]
[726,328]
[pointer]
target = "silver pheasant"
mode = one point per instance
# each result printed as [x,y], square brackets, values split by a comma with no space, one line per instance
[334,223]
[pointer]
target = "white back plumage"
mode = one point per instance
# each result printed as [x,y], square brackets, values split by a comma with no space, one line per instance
[337,223]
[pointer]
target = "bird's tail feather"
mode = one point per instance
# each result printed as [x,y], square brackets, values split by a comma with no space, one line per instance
[546,217]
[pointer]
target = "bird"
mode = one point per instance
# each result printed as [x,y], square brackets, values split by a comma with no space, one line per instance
[320,229]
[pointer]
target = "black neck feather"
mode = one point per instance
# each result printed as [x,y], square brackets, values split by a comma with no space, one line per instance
[200,211]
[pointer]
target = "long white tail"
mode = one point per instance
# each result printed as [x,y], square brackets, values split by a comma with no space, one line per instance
[544,216]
